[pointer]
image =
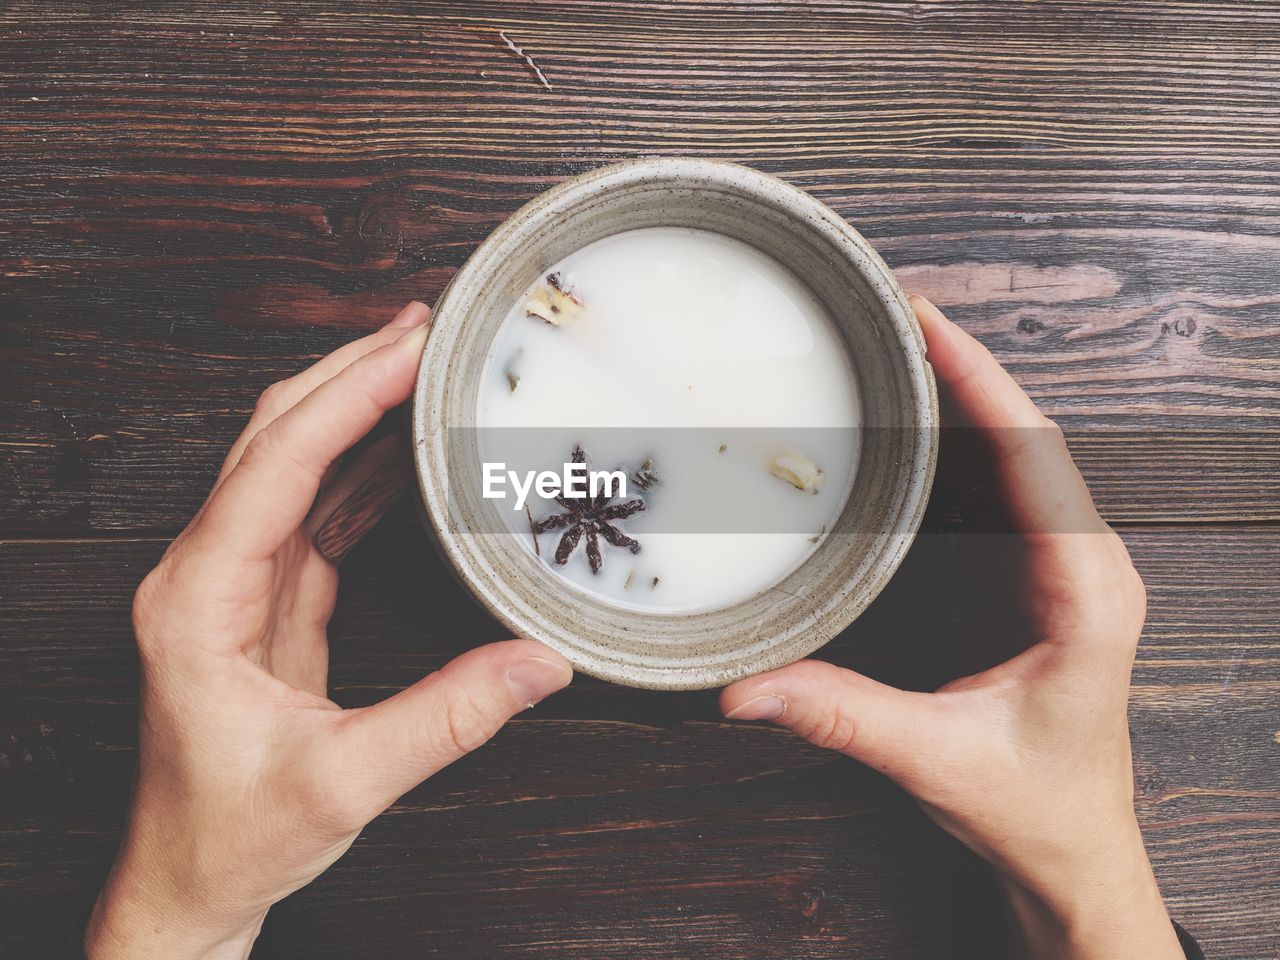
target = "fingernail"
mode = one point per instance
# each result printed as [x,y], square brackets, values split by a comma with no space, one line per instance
[759,708]
[415,339]
[926,308]
[534,679]
[415,313]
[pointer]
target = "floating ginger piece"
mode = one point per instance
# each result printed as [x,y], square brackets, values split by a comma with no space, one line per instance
[798,470]
[553,303]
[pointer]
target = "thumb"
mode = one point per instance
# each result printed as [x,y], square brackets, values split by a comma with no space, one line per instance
[888,729]
[398,743]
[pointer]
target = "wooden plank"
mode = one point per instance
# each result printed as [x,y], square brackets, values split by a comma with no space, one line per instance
[195,204]
[618,823]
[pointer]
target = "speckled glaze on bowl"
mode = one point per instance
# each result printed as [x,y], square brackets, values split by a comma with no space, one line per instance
[835,584]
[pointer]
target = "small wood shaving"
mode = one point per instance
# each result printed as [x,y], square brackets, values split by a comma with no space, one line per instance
[515,48]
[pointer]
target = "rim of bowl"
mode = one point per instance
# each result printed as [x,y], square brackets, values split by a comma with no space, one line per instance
[865,260]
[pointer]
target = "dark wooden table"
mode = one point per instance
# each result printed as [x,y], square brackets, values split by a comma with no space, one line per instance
[197,199]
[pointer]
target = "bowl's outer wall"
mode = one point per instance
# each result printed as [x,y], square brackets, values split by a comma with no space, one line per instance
[886,349]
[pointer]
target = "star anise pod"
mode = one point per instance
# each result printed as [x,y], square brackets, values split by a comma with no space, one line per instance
[589,518]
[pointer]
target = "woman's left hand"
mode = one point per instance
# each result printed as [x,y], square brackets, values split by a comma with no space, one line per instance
[250,781]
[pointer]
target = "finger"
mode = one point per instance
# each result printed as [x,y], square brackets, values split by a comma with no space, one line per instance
[396,744]
[359,496]
[283,395]
[269,493]
[1034,478]
[888,729]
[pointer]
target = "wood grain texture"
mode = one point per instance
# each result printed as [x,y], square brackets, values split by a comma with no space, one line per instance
[197,203]
[198,198]
[613,822]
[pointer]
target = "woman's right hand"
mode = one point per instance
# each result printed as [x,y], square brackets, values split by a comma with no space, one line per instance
[1027,760]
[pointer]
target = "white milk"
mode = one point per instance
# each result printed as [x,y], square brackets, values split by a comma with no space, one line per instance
[686,342]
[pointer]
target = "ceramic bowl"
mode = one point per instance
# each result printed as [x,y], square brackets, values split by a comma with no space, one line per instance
[880,517]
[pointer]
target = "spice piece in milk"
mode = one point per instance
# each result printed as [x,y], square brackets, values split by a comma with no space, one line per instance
[798,470]
[552,303]
[701,369]
[589,517]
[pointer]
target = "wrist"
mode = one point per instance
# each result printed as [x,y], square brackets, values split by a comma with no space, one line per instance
[133,920]
[1107,907]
